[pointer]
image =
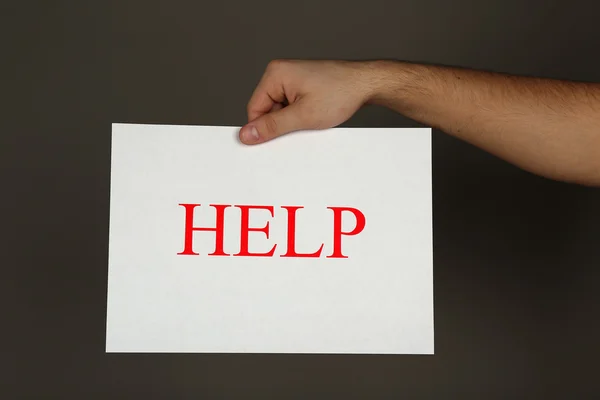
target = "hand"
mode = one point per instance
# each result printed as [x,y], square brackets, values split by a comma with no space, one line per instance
[301,95]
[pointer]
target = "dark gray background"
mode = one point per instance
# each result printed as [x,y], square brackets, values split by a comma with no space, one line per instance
[516,256]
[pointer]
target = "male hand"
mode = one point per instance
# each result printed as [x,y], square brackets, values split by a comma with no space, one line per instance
[300,95]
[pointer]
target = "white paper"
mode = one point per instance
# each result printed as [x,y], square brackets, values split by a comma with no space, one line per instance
[378,300]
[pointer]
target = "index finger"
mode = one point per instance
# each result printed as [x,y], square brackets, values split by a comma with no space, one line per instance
[269,93]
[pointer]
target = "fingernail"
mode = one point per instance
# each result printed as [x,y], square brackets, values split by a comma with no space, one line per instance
[250,134]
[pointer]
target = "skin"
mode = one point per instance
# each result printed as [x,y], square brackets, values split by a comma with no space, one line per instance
[545,126]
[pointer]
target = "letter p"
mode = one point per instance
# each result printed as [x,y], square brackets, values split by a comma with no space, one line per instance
[337,228]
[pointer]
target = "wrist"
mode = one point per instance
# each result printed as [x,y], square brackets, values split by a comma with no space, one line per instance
[387,82]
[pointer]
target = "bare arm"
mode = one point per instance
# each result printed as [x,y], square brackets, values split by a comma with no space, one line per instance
[548,127]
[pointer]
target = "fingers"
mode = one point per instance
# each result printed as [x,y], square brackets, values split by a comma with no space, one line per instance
[268,94]
[269,114]
[273,124]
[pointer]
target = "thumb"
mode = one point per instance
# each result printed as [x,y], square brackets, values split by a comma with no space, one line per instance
[273,124]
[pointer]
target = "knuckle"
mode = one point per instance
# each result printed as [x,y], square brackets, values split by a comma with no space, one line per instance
[276,65]
[270,125]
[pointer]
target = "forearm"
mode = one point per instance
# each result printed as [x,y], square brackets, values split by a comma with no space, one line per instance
[548,127]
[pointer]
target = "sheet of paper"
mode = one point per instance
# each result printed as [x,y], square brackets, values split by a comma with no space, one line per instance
[317,242]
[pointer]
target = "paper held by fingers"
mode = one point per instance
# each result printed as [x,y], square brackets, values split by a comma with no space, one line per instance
[316,242]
